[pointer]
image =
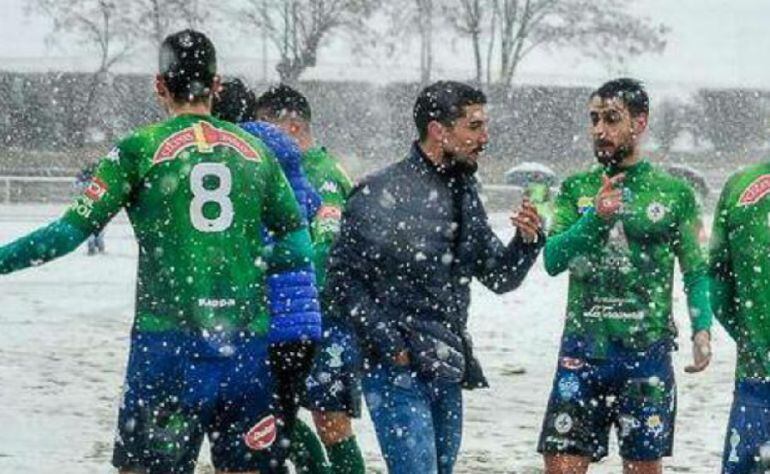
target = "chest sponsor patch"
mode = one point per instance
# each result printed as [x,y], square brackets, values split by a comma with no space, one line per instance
[204,136]
[262,435]
[96,189]
[758,189]
[656,212]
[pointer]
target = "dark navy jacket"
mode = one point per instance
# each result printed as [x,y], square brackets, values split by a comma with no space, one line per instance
[412,238]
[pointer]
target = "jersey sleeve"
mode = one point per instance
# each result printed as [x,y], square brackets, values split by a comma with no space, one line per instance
[282,218]
[572,234]
[721,275]
[110,188]
[101,198]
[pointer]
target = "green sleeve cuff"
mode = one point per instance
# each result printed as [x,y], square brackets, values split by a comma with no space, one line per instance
[579,239]
[291,251]
[701,315]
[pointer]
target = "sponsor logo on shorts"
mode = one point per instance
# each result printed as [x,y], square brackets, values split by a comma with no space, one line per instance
[568,386]
[627,424]
[758,189]
[571,363]
[96,189]
[656,212]
[335,352]
[262,435]
[563,423]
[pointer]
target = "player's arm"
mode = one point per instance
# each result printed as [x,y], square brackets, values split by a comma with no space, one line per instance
[100,201]
[291,291]
[353,267]
[722,278]
[693,264]
[571,234]
[325,226]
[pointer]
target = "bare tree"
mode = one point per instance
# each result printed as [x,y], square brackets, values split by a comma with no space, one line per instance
[157,18]
[298,28]
[601,29]
[668,123]
[105,25]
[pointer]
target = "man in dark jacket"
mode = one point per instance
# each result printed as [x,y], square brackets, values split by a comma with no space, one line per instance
[412,238]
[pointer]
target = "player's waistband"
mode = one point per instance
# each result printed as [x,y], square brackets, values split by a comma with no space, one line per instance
[584,348]
[200,343]
[753,390]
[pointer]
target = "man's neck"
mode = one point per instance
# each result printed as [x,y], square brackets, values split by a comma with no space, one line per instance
[305,142]
[631,160]
[433,151]
[196,108]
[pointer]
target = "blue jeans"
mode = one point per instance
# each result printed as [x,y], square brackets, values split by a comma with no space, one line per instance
[418,422]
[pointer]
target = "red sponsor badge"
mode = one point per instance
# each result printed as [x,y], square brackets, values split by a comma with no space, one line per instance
[758,189]
[96,189]
[571,363]
[329,212]
[262,435]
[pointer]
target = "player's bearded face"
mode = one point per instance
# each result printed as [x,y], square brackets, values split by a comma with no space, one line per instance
[466,139]
[612,131]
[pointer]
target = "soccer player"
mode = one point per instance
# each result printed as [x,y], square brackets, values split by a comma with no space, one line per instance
[199,192]
[740,268]
[618,229]
[333,392]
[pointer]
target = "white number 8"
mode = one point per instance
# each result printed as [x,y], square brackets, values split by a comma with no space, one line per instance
[220,195]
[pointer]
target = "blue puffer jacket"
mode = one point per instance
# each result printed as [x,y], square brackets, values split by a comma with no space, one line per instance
[412,238]
[292,296]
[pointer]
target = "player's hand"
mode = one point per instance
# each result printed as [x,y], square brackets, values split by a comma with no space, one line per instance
[701,352]
[609,200]
[527,221]
[402,358]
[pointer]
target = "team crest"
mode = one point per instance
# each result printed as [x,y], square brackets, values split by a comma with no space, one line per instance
[758,189]
[656,211]
[584,204]
[563,423]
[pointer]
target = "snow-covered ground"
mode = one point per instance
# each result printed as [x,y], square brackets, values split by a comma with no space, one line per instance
[64,338]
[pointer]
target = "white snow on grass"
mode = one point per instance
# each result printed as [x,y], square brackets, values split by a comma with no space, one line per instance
[64,332]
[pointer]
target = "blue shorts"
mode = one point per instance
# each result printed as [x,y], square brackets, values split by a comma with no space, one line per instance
[334,383]
[181,387]
[748,429]
[636,393]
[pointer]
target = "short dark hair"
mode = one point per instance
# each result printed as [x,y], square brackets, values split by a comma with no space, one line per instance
[630,91]
[235,102]
[282,99]
[187,62]
[443,101]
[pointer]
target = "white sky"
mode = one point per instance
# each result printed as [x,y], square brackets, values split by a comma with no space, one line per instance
[711,43]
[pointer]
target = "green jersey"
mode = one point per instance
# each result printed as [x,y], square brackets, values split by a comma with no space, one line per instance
[740,268]
[198,192]
[621,270]
[329,179]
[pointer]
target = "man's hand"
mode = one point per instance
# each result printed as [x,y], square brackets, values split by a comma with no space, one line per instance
[402,358]
[609,200]
[527,221]
[701,352]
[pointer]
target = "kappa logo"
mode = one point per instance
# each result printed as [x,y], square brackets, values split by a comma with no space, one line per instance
[758,189]
[262,435]
[96,189]
[205,137]
[335,352]
[113,155]
[329,187]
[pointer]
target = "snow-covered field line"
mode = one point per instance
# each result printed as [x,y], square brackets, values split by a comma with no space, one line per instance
[64,337]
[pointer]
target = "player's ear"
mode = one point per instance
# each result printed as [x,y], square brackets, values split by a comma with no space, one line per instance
[160,87]
[640,123]
[216,85]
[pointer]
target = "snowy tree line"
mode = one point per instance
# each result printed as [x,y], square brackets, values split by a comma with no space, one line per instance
[371,125]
